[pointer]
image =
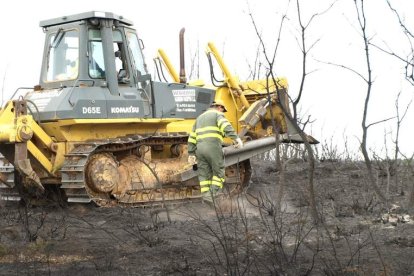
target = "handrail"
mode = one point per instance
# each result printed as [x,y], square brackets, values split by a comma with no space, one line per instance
[231,81]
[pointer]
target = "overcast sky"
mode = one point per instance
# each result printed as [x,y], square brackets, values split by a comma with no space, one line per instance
[333,97]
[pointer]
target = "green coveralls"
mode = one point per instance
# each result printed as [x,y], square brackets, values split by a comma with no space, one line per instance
[205,141]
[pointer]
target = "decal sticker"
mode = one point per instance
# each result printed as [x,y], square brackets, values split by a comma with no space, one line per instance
[185,100]
[42,99]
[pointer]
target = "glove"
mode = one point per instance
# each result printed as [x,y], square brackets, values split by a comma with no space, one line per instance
[239,143]
[192,159]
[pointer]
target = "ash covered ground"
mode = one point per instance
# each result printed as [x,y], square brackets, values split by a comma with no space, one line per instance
[246,235]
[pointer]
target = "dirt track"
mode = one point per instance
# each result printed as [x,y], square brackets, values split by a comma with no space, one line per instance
[249,237]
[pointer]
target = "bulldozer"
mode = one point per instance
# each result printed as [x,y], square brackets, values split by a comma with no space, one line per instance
[99,128]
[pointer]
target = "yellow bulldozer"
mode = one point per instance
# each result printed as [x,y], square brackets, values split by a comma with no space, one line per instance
[99,128]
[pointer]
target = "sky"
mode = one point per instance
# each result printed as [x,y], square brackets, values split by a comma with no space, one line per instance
[333,96]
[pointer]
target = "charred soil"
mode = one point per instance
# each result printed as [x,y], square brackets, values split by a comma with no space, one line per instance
[245,235]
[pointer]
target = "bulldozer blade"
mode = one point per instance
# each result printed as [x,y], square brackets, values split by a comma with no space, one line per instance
[25,169]
[292,136]
[234,155]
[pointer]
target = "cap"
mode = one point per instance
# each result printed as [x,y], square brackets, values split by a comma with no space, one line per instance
[219,103]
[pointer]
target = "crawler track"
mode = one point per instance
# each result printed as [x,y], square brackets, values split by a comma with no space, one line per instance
[7,192]
[74,170]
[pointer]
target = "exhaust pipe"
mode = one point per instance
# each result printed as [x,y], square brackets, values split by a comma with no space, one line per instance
[183,78]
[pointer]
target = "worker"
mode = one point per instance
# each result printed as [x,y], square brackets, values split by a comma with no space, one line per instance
[73,70]
[70,70]
[205,149]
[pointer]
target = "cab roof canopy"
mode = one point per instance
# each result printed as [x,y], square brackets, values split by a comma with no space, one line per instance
[83,16]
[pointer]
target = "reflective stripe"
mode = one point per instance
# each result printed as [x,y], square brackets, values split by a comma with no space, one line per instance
[223,127]
[217,181]
[192,138]
[223,123]
[210,135]
[218,178]
[207,128]
[205,183]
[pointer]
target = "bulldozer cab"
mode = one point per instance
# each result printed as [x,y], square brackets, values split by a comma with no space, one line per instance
[94,68]
[98,48]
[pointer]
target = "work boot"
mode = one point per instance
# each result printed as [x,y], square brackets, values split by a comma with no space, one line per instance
[207,197]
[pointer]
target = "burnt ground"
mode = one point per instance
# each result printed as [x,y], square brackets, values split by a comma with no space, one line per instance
[244,236]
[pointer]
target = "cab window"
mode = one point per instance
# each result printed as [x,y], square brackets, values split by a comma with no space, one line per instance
[134,46]
[96,56]
[63,56]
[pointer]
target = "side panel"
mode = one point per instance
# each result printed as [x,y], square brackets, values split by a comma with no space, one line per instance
[89,103]
[177,100]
